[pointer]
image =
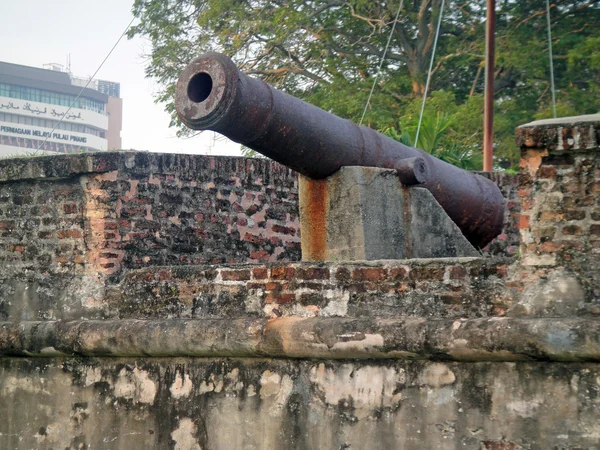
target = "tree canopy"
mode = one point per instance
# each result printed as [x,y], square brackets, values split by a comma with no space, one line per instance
[328,51]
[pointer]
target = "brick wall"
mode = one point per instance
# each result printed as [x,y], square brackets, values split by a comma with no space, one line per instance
[464,287]
[449,353]
[42,226]
[181,209]
[71,225]
[113,212]
[560,196]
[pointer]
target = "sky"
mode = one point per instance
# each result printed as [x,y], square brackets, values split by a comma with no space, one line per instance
[37,32]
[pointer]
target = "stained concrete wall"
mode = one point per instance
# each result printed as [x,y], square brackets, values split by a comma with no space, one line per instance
[225,404]
[468,353]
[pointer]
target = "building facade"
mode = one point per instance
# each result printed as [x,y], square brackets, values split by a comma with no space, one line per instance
[35,114]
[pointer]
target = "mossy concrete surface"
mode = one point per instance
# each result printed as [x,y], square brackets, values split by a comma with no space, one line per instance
[224,404]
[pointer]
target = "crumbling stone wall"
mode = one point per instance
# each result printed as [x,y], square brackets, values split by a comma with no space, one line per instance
[112,212]
[71,225]
[470,353]
[236,403]
[462,287]
[560,220]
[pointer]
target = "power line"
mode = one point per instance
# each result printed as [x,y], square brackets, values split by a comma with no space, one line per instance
[381,62]
[85,87]
[550,57]
[437,33]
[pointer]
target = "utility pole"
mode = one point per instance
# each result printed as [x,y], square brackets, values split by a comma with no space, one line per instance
[488,108]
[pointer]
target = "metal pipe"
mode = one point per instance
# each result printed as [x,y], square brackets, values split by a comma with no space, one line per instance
[488,108]
[212,94]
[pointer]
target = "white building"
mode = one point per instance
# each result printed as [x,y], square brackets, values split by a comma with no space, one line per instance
[33,101]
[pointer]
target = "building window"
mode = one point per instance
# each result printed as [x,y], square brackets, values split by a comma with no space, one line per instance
[47,123]
[52,98]
[49,146]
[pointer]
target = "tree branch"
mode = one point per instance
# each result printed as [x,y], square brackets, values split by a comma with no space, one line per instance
[372,22]
[285,70]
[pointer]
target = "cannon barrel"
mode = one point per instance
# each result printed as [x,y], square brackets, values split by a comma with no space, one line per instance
[212,94]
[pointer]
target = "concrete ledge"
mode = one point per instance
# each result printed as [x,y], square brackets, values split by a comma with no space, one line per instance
[578,133]
[63,166]
[366,213]
[54,167]
[496,339]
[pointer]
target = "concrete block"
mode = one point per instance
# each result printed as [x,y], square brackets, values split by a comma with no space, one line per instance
[365,213]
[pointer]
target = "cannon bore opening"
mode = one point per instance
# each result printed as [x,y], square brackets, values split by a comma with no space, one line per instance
[200,87]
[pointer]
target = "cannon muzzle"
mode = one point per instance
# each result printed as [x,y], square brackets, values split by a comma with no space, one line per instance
[212,94]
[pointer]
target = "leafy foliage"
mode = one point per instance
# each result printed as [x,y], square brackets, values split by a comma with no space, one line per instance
[328,51]
[434,138]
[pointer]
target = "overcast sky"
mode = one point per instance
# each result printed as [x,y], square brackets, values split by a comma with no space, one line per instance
[36,32]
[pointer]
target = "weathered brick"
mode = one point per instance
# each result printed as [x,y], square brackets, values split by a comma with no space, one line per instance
[523,221]
[547,172]
[313,273]
[397,273]
[369,274]
[272,286]
[426,273]
[280,298]
[276,214]
[260,239]
[572,230]
[210,274]
[235,275]
[574,214]
[342,274]
[587,200]
[70,208]
[313,298]
[282,273]
[501,271]
[283,230]
[543,233]
[69,234]
[21,200]
[451,298]
[109,255]
[551,216]
[458,273]
[259,254]
[571,245]
[549,247]
[260,273]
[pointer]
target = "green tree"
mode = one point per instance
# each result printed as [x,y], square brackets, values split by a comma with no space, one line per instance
[328,51]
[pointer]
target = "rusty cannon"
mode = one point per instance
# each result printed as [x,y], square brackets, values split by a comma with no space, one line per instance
[212,94]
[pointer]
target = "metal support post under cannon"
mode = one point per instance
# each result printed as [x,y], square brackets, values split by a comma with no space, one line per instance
[212,94]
